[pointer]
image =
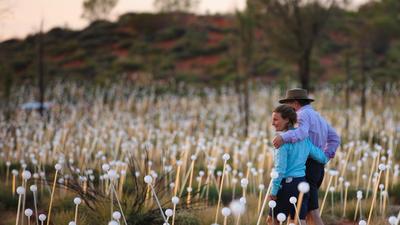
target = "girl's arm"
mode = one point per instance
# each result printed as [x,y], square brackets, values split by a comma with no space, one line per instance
[280,165]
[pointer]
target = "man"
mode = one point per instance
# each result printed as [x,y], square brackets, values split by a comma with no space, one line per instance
[310,124]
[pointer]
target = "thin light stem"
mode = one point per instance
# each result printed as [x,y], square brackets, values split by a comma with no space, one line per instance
[51,198]
[220,192]
[326,195]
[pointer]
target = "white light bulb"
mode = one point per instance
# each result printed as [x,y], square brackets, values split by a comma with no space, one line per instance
[148,179]
[113,222]
[226,211]
[281,217]
[20,190]
[382,167]
[112,174]
[272,204]
[362,222]
[77,201]
[333,172]
[14,172]
[105,167]
[58,166]
[226,157]
[243,200]
[393,220]
[244,182]
[28,212]
[201,173]
[33,188]
[175,200]
[237,208]
[116,215]
[26,175]
[42,217]
[169,212]
[359,195]
[274,174]
[303,187]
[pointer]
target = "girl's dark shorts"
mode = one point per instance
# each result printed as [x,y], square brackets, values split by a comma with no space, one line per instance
[289,189]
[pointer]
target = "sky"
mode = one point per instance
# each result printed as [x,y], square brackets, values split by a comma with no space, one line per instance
[23,17]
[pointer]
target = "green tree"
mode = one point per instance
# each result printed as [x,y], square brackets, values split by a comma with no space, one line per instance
[176,5]
[293,28]
[97,9]
[377,27]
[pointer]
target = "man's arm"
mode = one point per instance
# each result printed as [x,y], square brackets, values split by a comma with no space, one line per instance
[332,143]
[301,133]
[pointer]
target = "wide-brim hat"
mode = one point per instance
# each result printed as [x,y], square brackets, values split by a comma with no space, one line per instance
[296,94]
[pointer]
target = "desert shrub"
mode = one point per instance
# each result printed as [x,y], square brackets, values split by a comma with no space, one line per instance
[7,200]
[67,47]
[20,62]
[394,194]
[64,216]
[146,23]
[66,203]
[56,34]
[186,218]
[171,33]
[128,64]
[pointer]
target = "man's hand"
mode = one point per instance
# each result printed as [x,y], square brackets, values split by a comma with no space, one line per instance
[277,141]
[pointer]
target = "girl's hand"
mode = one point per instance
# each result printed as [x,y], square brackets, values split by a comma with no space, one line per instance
[272,197]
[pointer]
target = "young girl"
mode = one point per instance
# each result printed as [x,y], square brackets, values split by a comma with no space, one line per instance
[290,164]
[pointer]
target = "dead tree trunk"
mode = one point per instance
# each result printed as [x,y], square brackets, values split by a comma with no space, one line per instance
[41,70]
[304,70]
[363,101]
[246,106]
[348,89]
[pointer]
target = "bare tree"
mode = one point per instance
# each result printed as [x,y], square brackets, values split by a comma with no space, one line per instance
[98,9]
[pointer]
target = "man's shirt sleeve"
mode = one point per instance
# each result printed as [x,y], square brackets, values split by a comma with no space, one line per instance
[301,133]
[332,143]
